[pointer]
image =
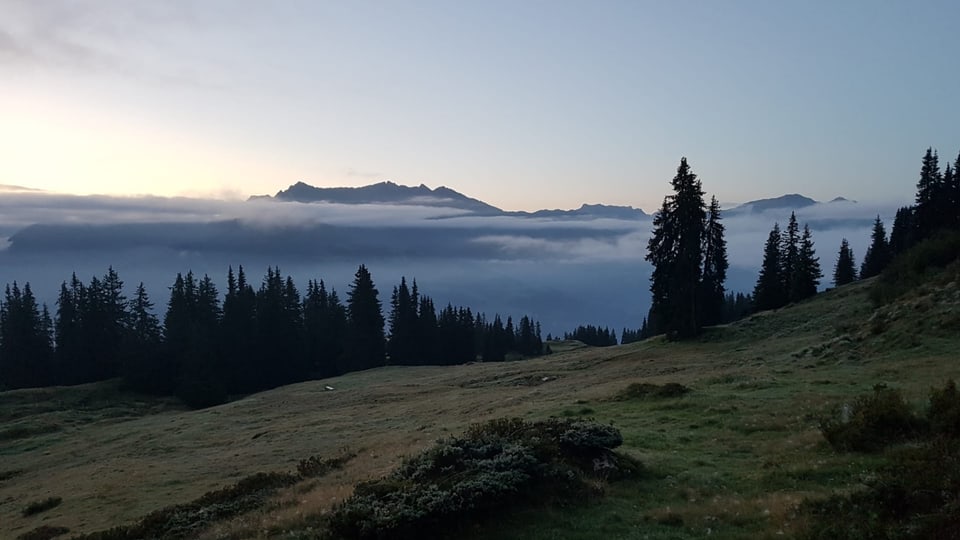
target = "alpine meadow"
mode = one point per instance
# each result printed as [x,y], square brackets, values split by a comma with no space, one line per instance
[502,270]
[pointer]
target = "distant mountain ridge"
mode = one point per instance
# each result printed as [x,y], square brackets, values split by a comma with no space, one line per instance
[388,192]
[391,193]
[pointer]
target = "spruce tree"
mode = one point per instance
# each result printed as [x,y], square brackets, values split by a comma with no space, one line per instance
[845,270]
[365,346]
[790,256]
[25,340]
[769,291]
[903,235]
[144,368]
[714,267]
[878,254]
[951,186]
[68,334]
[807,272]
[239,335]
[279,331]
[401,346]
[675,251]
[929,192]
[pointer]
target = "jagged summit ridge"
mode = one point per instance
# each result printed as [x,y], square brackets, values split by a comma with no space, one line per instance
[388,192]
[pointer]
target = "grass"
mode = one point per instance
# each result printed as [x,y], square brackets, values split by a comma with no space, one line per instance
[734,458]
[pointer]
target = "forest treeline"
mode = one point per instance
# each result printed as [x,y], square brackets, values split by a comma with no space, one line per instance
[205,349]
[936,210]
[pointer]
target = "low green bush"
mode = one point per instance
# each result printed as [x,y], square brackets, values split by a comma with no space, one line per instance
[462,480]
[943,413]
[41,506]
[44,532]
[187,520]
[653,391]
[915,496]
[872,423]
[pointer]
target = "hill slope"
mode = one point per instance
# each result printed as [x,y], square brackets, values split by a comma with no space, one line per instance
[731,459]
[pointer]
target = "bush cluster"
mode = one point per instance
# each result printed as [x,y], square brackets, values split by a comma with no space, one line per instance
[187,520]
[41,506]
[461,480]
[653,391]
[916,496]
[873,422]
[43,532]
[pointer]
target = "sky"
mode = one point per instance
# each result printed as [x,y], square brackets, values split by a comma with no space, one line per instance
[523,104]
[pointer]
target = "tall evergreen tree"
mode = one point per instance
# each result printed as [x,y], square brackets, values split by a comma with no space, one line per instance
[401,346]
[769,292]
[878,254]
[190,341]
[790,255]
[68,334]
[903,235]
[426,343]
[366,345]
[807,272]
[951,187]
[714,267]
[279,331]
[845,270]
[25,341]
[325,322]
[144,368]
[929,192]
[239,343]
[675,251]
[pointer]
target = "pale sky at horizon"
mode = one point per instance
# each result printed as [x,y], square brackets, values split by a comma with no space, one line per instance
[523,104]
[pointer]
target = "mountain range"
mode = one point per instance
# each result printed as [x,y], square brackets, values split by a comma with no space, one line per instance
[391,193]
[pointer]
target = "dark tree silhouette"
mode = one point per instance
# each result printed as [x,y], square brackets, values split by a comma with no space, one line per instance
[845,270]
[790,256]
[144,368]
[929,195]
[714,267]
[878,254]
[324,321]
[675,251]
[903,235]
[769,293]
[807,272]
[402,344]
[365,346]
[26,348]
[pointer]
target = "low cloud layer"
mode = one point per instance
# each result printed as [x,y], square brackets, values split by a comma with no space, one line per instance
[565,270]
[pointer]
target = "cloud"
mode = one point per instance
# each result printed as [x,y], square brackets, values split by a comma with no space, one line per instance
[354,173]
[384,229]
[562,272]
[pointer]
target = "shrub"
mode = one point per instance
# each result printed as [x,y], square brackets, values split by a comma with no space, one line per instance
[41,506]
[460,481]
[872,423]
[916,496]
[944,411]
[315,466]
[653,391]
[186,520]
[43,532]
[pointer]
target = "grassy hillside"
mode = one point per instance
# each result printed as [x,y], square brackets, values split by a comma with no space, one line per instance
[731,459]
